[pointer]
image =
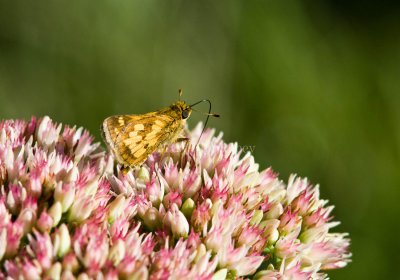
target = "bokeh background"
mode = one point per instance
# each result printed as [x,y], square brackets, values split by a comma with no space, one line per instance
[312,85]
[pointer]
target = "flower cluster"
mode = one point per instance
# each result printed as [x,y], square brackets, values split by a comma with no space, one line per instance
[204,212]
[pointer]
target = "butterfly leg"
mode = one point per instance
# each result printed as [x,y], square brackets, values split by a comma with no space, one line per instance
[186,148]
[162,152]
[186,140]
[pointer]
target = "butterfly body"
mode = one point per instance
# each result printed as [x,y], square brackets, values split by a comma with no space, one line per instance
[132,138]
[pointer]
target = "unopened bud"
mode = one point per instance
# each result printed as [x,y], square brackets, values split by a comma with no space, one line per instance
[116,208]
[55,213]
[188,207]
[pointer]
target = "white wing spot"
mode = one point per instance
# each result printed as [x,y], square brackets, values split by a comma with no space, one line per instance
[138,126]
[132,140]
[155,128]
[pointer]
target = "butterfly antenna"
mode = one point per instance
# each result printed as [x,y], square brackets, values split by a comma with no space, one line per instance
[180,92]
[208,116]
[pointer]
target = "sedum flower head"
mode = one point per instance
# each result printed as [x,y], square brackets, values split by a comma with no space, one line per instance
[205,212]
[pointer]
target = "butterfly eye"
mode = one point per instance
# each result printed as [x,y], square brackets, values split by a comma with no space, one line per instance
[185,114]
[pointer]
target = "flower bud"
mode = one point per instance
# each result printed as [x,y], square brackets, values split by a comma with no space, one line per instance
[270,228]
[3,244]
[274,212]
[54,272]
[249,236]
[172,198]
[47,133]
[72,175]
[45,222]
[220,274]
[116,208]
[200,251]
[314,234]
[201,216]
[67,274]
[286,247]
[257,217]
[70,263]
[176,219]
[31,271]
[140,273]
[81,209]
[216,206]
[65,194]
[14,235]
[273,237]
[269,274]
[188,207]
[83,276]
[215,240]
[55,213]
[152,218]
[62,241]
[155,192]
[144,174]
[290,223]
[26,219]
[117,252]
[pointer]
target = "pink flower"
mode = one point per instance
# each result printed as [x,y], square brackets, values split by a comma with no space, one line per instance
[205,212]
[201,216]
[177,222]
[41,248]
[155,191]
[286,248]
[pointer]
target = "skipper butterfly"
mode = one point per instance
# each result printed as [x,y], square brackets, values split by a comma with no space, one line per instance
[132,138]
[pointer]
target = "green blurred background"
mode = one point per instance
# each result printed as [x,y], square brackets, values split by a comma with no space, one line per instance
[314,86]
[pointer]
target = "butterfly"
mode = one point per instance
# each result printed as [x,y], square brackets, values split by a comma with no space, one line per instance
[132,138]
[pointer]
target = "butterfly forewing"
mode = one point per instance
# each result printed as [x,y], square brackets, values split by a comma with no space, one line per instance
[132,138]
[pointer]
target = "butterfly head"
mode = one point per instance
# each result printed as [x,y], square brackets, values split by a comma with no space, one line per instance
[182,108]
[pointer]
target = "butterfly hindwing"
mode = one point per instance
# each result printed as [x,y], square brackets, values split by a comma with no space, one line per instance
[113,126]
